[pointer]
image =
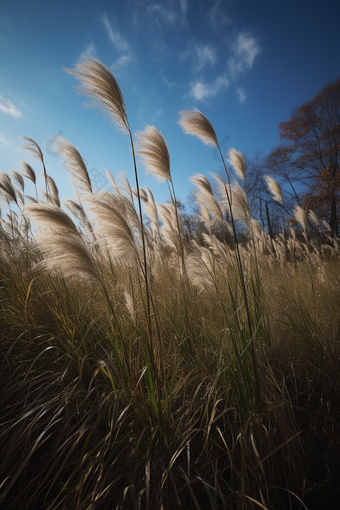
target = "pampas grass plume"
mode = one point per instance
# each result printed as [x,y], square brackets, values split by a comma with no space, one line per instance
[274,187]
[33,148]
[193,122]
[19,180]
[7,187]
[29,173]
[99,84]
[153,150]
[301,217]
[236,159]
[202,183]
[61,243]
[76,166]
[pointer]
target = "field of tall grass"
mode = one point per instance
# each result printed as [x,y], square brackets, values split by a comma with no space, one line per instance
[144,368]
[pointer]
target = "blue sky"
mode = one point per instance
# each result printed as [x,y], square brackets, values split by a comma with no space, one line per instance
[244,64]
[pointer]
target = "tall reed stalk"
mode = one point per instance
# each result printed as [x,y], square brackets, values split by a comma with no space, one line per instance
[195,123]
[99,84]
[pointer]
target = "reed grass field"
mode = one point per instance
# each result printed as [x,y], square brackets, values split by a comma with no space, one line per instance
[145,367]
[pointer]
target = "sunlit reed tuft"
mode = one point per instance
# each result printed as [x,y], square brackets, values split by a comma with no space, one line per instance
[76,166]
[236,159]
[99,84]
[29,173]
[274,187]
[194,123]
[153,150]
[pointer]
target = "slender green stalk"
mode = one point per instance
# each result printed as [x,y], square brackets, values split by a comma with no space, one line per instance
[244,290]
[143,240]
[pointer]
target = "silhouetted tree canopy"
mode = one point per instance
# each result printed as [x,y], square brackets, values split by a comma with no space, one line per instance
[310,154]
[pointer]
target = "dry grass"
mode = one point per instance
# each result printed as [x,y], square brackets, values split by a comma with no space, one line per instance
[174,375]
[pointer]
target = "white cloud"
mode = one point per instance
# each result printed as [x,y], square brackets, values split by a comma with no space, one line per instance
[169,16]
[201,55]
[90,50]
[169,13]
[121,62]
[245,49]
[3,140]
[169,83]
[201,91]
[184,10]
[216,17]
[8,107]
[241,94]
[114,36]
[121,46]
[159,112]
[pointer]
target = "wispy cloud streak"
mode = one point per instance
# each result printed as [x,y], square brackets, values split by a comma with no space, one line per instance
[3,140]
[241,94]
[245,50]
[7,107]
[202,91]
[201,55]
[114,36]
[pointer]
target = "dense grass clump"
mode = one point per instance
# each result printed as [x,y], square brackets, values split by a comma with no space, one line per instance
[145,368]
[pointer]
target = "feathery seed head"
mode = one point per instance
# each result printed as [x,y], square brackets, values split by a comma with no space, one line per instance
[153,150]
[236,159]
[33,148]
[7,187]
[29,173]
[54,192]
[193,122]
[61,242]
[313,217]
[256,228]
[76,166]
[301,217]
[19,179]
[210,203]
[240,205]
[99,84]
[202,183]
[50,216]
[274,187]
[326,225]
[112,224]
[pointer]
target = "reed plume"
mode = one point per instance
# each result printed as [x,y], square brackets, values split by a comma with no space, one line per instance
[61,243]
[76,166]
[151,210]
[313,217]
[202,183]
[18,178]
[153,150]
[29,173]
[99,84]
[236,159]
[33,148]
[54,192]
[301,217]
[201,270]
[7,186]
[113,226]
[193,122]
[240,205]
[274,187]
